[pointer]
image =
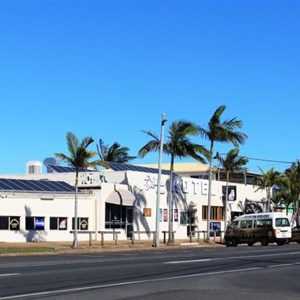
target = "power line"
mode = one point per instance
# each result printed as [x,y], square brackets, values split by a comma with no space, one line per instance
[267,160]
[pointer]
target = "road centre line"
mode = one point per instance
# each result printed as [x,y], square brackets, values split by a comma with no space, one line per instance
[262,255]
[187,261]
[10,274]
[230,257]
[280,265]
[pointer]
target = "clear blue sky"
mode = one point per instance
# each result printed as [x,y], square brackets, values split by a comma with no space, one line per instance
[108,69]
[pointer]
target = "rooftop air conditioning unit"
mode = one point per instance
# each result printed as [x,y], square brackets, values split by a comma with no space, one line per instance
[33,167]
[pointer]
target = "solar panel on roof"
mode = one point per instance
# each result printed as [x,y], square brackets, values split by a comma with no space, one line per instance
[127,167]
[61,169]
[34,185]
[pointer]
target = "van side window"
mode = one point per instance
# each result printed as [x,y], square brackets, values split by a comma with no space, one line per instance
[282,222]
[234,224]
[264,223]
[246,224]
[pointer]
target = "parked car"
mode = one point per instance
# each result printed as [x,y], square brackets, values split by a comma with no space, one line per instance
[272,227]
[296,234]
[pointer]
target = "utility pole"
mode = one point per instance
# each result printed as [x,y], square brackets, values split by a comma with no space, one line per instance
[163,120]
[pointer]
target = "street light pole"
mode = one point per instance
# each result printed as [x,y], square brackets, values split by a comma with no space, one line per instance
[163,120]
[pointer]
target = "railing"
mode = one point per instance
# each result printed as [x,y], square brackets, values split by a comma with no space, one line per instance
[142,232]
[204,232]
[86,232]
[166,232]
[113,232]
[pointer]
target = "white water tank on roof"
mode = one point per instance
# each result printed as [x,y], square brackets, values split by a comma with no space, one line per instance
[33,167]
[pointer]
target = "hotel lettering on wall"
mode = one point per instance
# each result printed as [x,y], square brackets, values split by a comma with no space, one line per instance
[196,187]
[150,183]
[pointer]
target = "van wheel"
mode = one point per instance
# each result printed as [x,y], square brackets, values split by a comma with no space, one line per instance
[234,243]
[227,243]
[280,243]
[250,244]
[264,242]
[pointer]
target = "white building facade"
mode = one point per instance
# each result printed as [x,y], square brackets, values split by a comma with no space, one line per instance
[114,200]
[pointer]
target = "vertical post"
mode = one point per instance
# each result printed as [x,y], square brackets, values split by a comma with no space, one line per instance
[170,210]
[191,211]
[190,224]
[75,238]
[209,196]
[163,120]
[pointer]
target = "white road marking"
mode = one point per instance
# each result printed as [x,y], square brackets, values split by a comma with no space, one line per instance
[9,274]
[278,266]
[187,261]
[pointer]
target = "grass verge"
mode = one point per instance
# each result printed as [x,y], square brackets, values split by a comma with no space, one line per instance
[11,250]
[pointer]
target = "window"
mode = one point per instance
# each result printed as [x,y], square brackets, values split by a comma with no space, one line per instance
[9,223]
[282,222]
[57,223]
[216,213]
[82,223]
[234,224]
[35,223]
[246,224]
[115,216]
[264,223]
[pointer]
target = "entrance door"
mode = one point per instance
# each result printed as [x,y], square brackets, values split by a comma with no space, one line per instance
[129,222]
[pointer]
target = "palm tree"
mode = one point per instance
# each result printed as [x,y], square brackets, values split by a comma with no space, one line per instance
[289,189]
[232,163]
[113,153]
[267,181]
[177,145]
[78,158]
[224,132]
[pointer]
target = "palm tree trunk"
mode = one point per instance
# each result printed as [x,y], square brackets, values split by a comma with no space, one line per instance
[75,240]
[226,202]
[209,193]
[170,240]
[269,199]
[170,224]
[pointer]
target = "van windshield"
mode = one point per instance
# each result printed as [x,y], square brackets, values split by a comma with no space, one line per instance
[282,222]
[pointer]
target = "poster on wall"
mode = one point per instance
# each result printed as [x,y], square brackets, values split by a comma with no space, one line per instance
[183,218]
[160,215]
[231,193]
[175,215]
[39,223]
[147,212]
[63,223]
[165,215]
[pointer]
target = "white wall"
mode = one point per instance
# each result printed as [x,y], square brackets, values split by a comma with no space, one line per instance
[32,205]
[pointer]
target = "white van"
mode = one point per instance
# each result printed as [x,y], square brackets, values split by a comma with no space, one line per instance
[273,227]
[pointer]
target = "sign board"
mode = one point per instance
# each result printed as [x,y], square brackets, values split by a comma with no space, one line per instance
[215,226]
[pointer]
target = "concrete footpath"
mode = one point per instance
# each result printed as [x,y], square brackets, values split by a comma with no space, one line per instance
[109,246]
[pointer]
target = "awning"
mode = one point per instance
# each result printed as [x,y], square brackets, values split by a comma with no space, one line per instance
[121,196]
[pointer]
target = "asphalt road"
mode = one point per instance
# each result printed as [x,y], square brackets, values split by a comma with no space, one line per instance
[218,273]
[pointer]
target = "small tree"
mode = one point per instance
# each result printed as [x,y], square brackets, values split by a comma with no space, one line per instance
[289,189]
[113,153]
[232,163]
[266,182]
[78,158]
